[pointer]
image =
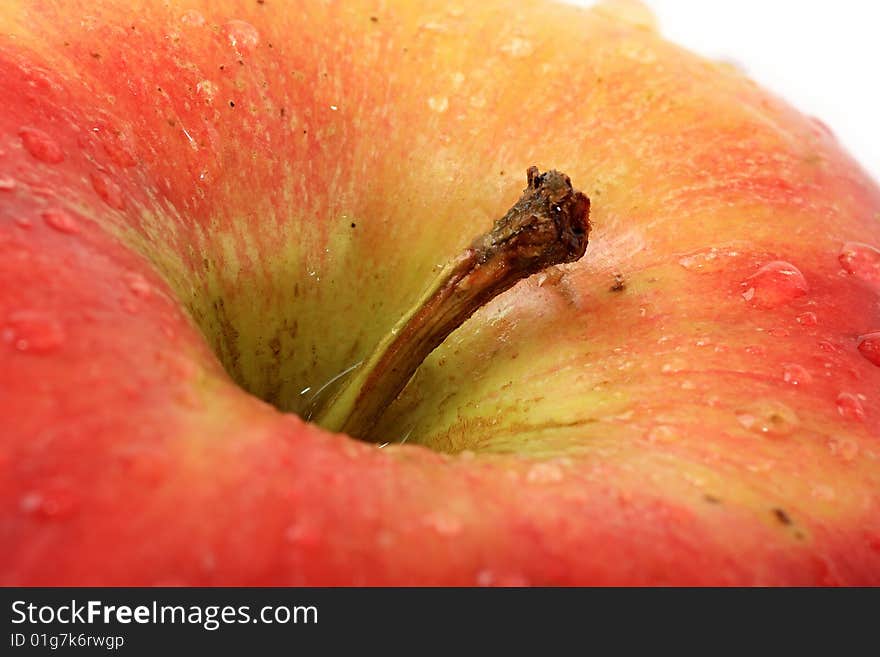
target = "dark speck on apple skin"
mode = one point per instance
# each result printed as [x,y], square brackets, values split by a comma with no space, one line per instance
[782,516]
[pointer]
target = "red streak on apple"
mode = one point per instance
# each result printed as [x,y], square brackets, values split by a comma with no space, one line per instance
[208,206]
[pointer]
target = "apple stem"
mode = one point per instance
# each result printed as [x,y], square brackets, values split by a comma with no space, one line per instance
[548,225]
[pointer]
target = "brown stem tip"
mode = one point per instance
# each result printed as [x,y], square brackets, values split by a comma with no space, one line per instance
[548,225]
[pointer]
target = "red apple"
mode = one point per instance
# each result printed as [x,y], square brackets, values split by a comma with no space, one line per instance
[209,211]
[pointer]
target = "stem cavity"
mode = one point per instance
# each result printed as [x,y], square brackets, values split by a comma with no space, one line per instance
[548,225]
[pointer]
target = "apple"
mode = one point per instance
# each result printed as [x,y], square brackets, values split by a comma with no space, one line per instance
[220,221]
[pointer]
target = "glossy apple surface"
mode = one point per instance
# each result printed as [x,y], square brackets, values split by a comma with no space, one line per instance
[206,205]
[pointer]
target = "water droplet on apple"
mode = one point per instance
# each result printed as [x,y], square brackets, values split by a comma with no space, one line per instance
[518,47]
[774,284]
[689,262]
[487,577]
[763,465]
[107,189]
[770,418]
[385,539]
[662,434]
[116,144]
[861,260]
[30,502]
[303,533]
[443,523]
[478,101]
[52,503]
[550,277]
[33,332]
[849,405]
[208,562]
[147,466]
[869,347]
[707,260]
[438,104]
[61,221]
[796,374]
[829,347]
[544,473]
[845,448]
[636,51]
[243,36]
[138,285]
[23,222]
[129,306]
[41,146]
[7,183]
[673,366]
[192,17]
[434,26]
[807,318]
[823,493]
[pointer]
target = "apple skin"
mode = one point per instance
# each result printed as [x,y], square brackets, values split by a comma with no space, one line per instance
[274,183]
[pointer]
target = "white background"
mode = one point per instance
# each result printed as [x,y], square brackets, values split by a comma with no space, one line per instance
[822,57]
